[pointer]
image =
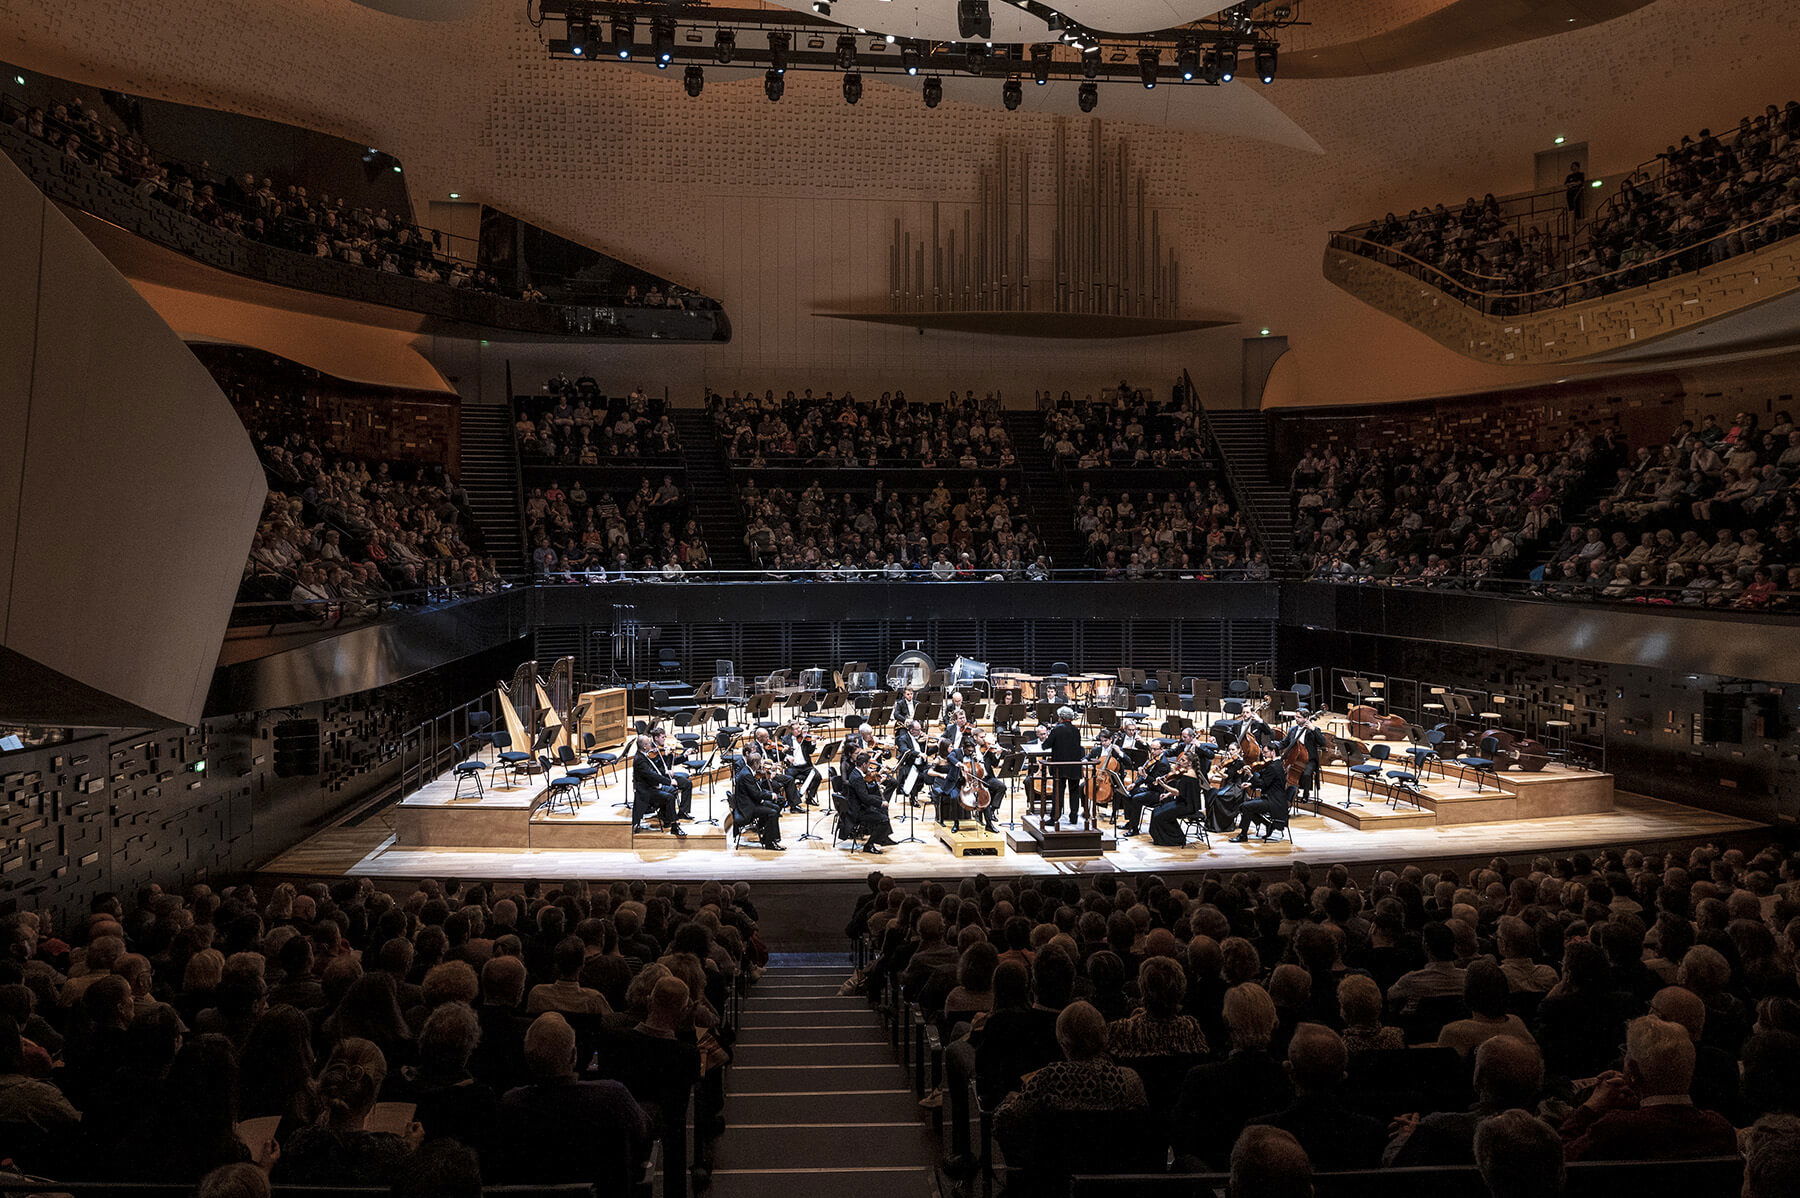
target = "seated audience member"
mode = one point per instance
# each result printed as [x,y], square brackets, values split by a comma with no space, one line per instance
[558,1128]
[1442,976]
[1159,1028]
[191,1128]
[339,1150]
[566,993]
[1219,1098]
[449,1101]
[1334,1136]
[1359,1002]
[31,1106]
[235,1181]
[441,1169]
[1267,1162]
[1772,1157]
[1509,1073]
[1716,1083]
[1646,1112]
[1084,1080]
[1519,1156]
[1486,993]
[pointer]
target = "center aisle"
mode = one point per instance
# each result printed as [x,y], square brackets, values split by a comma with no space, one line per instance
[816,1105]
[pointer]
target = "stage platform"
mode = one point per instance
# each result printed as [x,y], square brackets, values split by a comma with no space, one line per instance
[369,849]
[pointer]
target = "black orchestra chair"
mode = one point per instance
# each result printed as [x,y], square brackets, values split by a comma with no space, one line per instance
[1403,784]
[607,760]
[478,733]
[564,788]
[514,761]
[468,770]
[571,765]
[1424,754]
[1369,768]
[1481,764]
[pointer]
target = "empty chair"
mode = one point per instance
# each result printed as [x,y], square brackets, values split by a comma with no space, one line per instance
[1369,769]
[1403,784]
[572,766]
[1481,763]
[478,733]
[468,771]
[563,788]
[513,761]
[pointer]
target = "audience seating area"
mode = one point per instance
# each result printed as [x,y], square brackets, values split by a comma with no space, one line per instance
[1127,428]
[579,532]
[1707,198]
[551,1040]
[839,432]
[574,424]
[1542,1027]
[1186,534]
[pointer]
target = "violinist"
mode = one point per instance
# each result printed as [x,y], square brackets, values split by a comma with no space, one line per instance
[653,788]
[909,764]
[751,801]
[779,779]
[676,761]
[1225,794]
[1182,797]
[956,726]
[1147,793]
[862,808]
[1267,801]
[797,756]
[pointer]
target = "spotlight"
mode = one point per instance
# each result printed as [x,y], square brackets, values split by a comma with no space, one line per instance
[822,7]
[694,79]
[846,53]
[1088,96]
[1227,63]
[1209,67]
[1040,65]
[1147,65]
[910,56]
[934,91]
[1012,95]
[1265,61]
[1090,62]
[662,41]
[778,52]
[974,20]
[724,46]
[977,58]
[852,88]
[774,83]
[580,36]
[1187,61]
[624,32]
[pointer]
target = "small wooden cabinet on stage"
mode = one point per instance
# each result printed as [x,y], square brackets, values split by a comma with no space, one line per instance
[602,713]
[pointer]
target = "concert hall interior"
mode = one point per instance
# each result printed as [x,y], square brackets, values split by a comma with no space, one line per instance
[1070,598]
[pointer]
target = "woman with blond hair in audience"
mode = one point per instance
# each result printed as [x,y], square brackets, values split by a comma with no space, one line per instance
[1359,1002]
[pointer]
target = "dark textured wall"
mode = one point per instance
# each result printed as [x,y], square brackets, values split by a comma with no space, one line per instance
[1652,721]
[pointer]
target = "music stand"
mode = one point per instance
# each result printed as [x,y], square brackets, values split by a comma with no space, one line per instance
[1260,684]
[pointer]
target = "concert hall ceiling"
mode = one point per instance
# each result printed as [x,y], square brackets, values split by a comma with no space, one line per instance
[784,210]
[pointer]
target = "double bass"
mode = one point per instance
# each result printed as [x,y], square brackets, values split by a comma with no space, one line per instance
[1527,755]
[1368,724]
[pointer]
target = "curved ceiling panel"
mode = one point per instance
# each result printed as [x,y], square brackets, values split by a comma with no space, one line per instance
[424,10]
[1458,29]
[936,19]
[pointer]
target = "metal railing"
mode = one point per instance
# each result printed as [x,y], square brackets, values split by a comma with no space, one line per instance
[903,575]
[294,615]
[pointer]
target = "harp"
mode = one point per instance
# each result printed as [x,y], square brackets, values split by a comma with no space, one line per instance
[556,703]
[518,706]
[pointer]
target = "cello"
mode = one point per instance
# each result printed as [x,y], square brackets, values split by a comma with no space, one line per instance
[1297,757]
[974,794]
[1107,780]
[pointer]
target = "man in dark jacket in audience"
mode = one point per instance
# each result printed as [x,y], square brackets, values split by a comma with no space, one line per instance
[1334,1136]
[561,1129]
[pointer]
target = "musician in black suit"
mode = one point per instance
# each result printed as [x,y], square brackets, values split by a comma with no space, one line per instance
[909,761]
[1268,802]
[1305,732]
[752,804]
[1064,743]
[862,807]
[653,788]
[797,757]
[1146,793]
[980,747]
[906,708]
[944,774]
[675,759]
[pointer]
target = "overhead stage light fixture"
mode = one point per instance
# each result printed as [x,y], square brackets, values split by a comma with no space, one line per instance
[934,91]
[694,80]
[1040,65]
[1227,62]
[1148,60]
[624,33]
[774,83]
[974,20]
[580,37]
[910,56]
[662,41]
[852,87]
[976,57]
[1012,95]
[778,52]
[1265,61]
[1088,96]
[822,7]
[724,46]
[846,53]
[1187,61]
[1090,62]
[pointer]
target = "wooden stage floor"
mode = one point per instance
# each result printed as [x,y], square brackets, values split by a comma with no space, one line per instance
[369,850]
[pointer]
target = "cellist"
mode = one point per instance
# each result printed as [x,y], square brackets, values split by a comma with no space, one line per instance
[1307,734]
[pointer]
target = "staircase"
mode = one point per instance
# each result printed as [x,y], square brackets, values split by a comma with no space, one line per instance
[1046,491]
[1242,439]
[712,499]
[488,470]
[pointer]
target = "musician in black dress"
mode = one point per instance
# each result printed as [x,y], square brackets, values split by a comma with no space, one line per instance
[752,803]
[1183,796]
[1267,804]
[1064,743]
[1224,800]
[653,788]
[862,808]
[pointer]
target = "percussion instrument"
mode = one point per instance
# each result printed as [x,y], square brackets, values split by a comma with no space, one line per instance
[813,680]
[862,682]
[966,670]
[911,668]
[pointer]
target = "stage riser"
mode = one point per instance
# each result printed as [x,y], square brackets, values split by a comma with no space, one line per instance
[1543,795]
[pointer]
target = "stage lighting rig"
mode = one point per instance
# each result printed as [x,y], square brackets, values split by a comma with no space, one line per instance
[974,20]
[774,84]
[724,46]
[934,91]
[624,33]
[1187,61]
[1148,65]
[662,41]
[694,80]
[1227,61]
[1265,61]
[1012,95]
[1040,64]
[846,53]
[852,87]
[1088,96]
[910,56]
[778,52]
